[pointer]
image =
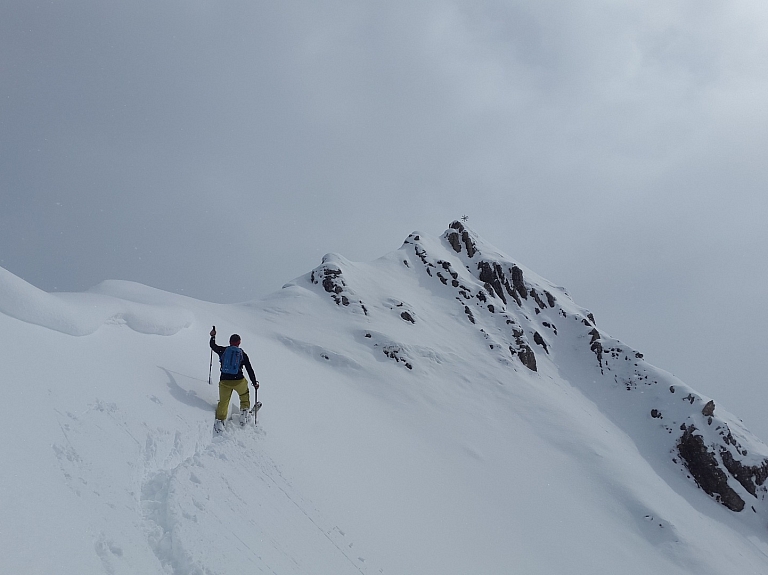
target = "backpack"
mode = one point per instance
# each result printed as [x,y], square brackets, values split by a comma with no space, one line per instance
[231,360]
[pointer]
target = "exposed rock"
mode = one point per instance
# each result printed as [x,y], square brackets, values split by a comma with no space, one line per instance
[596,347]
[526,355]
[394,352]
[407,317]
[538,299]
[422,254]
[705,469]
[471,248]
[447,267]
[490,290]
[709,409]
[540,341]
[493,276]
[455,242]
[523,350]
[331,282]
[750,477]
[725,433]
[462,234]
[330,276]
[528,358]
[518,283]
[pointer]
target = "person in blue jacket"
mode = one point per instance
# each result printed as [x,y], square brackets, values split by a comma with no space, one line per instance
[233,360]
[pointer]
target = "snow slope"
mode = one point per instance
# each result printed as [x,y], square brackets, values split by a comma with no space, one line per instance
[440,410]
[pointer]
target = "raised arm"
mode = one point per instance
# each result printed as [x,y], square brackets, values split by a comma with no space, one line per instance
[217,348]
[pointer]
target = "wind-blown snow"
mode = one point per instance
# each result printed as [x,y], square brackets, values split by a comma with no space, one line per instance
[397,436]
[82,314]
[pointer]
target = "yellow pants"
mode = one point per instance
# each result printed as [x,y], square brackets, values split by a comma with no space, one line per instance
[226,387]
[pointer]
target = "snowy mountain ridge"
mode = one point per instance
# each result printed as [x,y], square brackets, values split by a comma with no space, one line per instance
[516,312]
[440,410]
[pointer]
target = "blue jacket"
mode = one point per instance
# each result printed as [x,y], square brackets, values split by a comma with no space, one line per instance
[245,363]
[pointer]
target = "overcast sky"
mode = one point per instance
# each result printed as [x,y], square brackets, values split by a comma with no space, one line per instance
[219,149]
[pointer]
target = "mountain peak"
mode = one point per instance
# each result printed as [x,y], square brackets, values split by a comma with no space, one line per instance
[526,321]
[461,239]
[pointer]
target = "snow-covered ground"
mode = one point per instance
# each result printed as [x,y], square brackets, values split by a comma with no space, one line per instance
[404,431]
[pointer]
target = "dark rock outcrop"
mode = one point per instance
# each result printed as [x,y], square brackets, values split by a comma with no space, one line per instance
[395,352]
[705,469]
[518,283]
[493,276]
[526,355]
[460,236]
[750,477]
[331,277]
[596,346]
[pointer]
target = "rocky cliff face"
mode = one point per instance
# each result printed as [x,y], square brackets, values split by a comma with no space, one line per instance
[530,324]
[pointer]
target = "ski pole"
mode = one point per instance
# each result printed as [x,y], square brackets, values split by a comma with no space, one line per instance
[256,404]
[210,367]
